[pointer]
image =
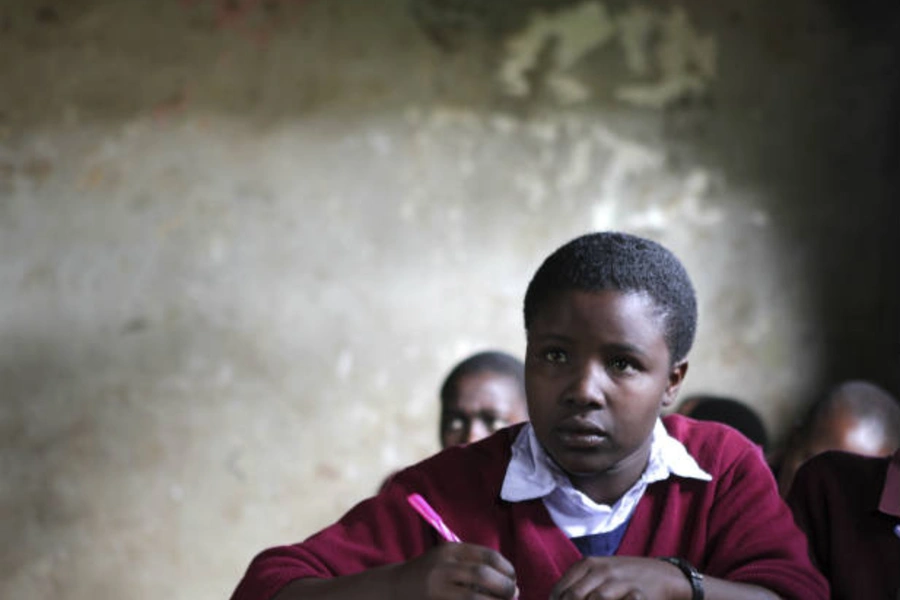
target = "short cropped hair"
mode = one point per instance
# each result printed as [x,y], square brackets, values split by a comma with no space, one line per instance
[489,361]
[615,261]
[730,411]
[867,402]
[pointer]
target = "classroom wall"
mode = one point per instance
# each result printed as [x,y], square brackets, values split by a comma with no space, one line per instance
[242,242]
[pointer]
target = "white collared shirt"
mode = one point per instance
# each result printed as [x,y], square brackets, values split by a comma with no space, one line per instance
[533,474]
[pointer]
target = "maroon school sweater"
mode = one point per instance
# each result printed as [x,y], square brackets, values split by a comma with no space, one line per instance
[835,498]
[735,527]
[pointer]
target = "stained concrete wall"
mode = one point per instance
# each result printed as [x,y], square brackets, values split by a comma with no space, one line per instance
[241,242]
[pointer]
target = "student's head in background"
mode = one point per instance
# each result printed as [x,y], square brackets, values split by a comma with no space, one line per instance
[855,416]
[483,393]
[730,411]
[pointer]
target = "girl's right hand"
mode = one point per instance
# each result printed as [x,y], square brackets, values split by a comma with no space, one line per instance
[456,571]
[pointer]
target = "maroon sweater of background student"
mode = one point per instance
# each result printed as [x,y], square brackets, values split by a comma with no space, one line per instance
[735,527]
[849,513]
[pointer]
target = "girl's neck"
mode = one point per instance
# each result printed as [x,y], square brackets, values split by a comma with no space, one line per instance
[610,485]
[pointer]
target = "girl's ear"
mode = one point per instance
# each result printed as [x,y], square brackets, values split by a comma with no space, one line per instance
[676,377]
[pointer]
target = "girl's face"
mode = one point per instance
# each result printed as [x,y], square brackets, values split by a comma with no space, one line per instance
[597,374]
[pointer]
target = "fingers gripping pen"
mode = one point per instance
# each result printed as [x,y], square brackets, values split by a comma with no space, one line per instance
[434,519]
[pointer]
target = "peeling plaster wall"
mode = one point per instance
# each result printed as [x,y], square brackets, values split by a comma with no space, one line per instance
[240,247]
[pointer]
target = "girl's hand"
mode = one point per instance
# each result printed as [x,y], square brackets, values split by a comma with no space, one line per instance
[621,578]
[456,571]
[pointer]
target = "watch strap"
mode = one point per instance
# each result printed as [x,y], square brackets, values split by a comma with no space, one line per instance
[694,577]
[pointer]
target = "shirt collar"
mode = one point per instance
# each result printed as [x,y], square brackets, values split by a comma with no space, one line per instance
[890,494]
[533,474]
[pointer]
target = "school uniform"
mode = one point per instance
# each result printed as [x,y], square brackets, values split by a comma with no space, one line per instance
[849,507]
[706,496]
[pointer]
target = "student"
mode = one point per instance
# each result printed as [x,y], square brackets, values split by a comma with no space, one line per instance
[584,500]
[849,507]
[729,411]
[855,416]
[482,394]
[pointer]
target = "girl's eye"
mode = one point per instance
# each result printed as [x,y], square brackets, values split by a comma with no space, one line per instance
[556,356]
[621,364]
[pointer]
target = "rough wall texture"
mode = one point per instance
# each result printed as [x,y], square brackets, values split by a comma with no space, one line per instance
[241,242]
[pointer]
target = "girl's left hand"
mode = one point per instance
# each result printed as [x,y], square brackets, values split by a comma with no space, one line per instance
[622,578]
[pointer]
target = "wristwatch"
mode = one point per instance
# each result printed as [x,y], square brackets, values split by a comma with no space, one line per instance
[694,577]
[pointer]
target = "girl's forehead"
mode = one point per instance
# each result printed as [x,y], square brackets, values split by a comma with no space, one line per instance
[601,317]
[611,305]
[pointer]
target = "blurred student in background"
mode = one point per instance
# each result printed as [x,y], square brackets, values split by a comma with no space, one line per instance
[855,416]
[732,412]
[849,507]
[483,393]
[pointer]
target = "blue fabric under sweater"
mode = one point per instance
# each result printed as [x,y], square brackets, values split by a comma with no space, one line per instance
[601,544]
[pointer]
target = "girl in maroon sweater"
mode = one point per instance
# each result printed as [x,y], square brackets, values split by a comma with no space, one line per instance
[584,501]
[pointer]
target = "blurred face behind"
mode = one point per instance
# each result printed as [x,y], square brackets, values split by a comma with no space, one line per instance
[838,430]
[845,432]
[597,374]
[484,403]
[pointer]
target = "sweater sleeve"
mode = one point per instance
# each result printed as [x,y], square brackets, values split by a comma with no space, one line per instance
[384,529]
[378,531]
[752,534]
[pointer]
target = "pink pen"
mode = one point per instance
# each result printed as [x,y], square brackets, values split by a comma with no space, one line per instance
[429,514]
[423,508]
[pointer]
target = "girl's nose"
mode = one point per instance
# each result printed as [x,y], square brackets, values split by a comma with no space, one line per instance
[587,388]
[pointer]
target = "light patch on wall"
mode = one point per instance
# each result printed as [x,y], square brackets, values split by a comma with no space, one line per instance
[390,457]
[381,380]
[216,250]
[408,212]
[362,415]
[344,365]
[687,206]
[380,142]
[603,216]
[685,59]
[466,166]
[503,124]
[176,493]
[580,161]
[636,27]
[629,159]
[543,131]
[578,165]
[414,200]
[577,170]
[531,185]
[652,42]
[576,31]
[567,89]
[446,116]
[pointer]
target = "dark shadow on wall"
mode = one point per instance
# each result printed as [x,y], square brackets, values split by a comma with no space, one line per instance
[825,126]
[853,224]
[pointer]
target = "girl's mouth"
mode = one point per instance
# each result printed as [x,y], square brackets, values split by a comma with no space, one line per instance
[583,437]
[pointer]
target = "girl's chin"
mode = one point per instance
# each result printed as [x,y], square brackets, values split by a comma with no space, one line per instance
[584,466]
